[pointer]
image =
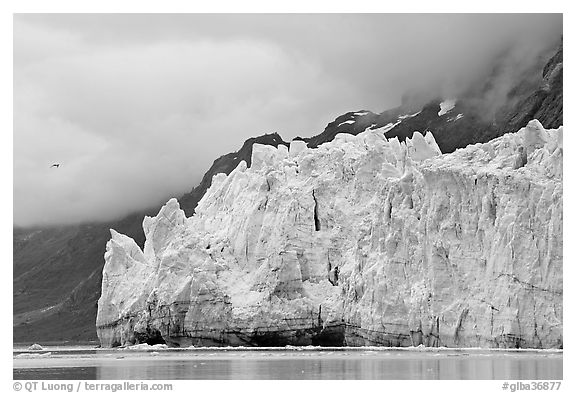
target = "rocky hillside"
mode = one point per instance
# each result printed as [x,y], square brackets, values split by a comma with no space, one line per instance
[362,241]
[58,271]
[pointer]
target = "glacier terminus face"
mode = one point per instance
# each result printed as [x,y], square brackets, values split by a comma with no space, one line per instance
[361,241]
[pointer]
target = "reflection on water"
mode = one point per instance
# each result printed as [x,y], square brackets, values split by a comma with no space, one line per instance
[285,365]
[358,368]
[56,373]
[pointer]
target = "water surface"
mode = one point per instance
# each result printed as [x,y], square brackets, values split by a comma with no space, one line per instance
[288,364]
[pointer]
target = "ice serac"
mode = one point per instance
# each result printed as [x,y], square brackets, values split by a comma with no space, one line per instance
[361,241]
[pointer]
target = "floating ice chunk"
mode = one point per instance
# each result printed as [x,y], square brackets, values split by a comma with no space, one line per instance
[34,355]
[35,347]
[146,347]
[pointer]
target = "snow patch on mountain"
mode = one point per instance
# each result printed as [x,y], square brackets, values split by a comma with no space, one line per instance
[446,106]
[457,117]
[408,116]
[346,122]
[386,128]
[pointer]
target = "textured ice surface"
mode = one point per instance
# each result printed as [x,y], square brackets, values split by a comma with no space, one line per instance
[362,241]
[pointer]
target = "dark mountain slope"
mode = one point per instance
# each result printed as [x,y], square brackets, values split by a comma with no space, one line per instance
[544,104]
[536,96]
[57,278]
[58,270]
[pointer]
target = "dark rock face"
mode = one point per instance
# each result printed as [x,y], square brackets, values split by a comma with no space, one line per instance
[545,104]
[58,271]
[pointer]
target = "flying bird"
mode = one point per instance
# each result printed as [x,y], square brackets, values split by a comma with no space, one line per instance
[55,165]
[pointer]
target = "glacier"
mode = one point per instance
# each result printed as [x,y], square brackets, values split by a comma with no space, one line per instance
[361,241]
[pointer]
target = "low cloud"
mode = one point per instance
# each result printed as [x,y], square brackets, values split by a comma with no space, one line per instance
[136,107]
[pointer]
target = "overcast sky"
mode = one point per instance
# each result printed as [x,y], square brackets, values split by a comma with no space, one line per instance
[136,107]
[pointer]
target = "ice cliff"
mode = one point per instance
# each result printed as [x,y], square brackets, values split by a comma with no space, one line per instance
[361,241]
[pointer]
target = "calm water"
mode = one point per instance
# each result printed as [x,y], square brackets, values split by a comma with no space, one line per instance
[290,364]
